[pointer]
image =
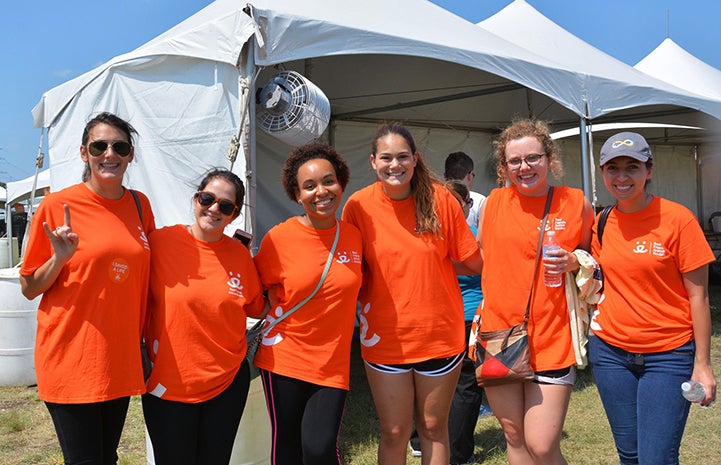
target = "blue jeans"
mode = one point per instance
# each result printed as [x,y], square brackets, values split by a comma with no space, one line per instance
[641,394]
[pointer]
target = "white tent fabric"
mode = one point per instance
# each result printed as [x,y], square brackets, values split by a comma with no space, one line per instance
[671,63]
[183,90]
[19,191]
[523,25]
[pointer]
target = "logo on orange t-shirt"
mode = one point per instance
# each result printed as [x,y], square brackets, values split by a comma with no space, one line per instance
[119,270]
[650,247]
[234,286]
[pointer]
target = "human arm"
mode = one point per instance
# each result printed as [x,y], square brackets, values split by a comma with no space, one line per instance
[64,243]
[695,282]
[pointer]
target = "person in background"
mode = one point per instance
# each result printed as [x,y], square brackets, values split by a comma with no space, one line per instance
[652,329]
[468,396]
[88,255]
[203,284]
[531,413]
[19,219]
[305,358]
[459,167]
[411,309]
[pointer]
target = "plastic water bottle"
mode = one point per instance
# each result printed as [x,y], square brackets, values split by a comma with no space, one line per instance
[550,244]
[693,391]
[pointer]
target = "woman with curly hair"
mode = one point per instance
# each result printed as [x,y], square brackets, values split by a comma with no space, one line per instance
[305,358]
[531,413]
[412,329]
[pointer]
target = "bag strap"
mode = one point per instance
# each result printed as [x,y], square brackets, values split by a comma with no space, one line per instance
[602,222]
[137,205]
[328,262]
[538,253]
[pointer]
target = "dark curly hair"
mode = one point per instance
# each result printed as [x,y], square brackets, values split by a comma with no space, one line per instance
[308,152]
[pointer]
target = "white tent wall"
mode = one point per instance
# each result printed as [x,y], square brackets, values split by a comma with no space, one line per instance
[185,113]
[710,170]
[674,171]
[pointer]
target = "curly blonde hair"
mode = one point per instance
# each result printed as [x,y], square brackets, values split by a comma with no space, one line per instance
[526,128]
[423,181]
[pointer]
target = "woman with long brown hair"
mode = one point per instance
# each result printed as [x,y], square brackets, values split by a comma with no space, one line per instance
[412,330]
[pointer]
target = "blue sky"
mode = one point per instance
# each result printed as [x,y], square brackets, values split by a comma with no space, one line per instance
[43,44]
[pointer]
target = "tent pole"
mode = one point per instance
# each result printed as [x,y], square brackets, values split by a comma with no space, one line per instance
[699,190]
[585,165]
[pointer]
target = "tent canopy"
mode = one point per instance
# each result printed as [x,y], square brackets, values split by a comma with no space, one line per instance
[20,191]
[457,82]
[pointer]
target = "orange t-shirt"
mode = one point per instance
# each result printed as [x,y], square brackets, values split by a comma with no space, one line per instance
[200,293]
[511,226]
[90,319]
[645,307]
[411,304]
[313,343]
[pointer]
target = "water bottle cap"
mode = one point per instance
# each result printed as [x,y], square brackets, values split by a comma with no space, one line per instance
[686,386]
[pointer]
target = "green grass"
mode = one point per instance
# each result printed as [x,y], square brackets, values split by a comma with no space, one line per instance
[27,436]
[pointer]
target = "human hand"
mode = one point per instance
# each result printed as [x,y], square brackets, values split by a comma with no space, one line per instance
[62,239]
[560,261]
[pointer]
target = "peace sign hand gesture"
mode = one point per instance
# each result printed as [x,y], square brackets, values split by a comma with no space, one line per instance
[63,240]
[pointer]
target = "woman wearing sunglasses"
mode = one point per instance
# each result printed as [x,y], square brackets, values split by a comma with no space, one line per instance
[531,413]
[89,256]
[202,285]
[305,358]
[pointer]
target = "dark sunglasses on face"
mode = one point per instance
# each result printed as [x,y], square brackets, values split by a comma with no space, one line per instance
[206,199]
[98,147]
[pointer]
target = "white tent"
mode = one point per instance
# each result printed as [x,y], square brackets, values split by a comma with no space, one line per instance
[455,83]
[674,146]
[675,65]
[20,191]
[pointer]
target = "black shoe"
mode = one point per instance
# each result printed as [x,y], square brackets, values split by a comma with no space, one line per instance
[415,445]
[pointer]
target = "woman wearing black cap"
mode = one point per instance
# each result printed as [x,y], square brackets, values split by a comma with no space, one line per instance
[653,326]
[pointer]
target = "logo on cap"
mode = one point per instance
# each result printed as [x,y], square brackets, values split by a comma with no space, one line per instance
[617,143]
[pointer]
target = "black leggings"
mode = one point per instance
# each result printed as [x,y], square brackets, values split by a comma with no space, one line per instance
[197,434]
[305,420]
[89,433]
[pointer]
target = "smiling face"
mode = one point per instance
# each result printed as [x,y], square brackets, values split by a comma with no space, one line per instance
[394,163]
[625,178]
[319,192]
[107,169]
[530,179]
[210,221]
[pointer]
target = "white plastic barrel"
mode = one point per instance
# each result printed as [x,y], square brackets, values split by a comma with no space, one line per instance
[4,253]
[18,321]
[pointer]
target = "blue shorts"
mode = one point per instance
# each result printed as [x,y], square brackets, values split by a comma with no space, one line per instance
[432,367]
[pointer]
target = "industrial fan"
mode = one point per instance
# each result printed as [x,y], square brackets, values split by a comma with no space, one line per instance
[292,109]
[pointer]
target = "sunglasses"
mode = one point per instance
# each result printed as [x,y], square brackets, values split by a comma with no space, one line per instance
[206,199]
[98,147]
